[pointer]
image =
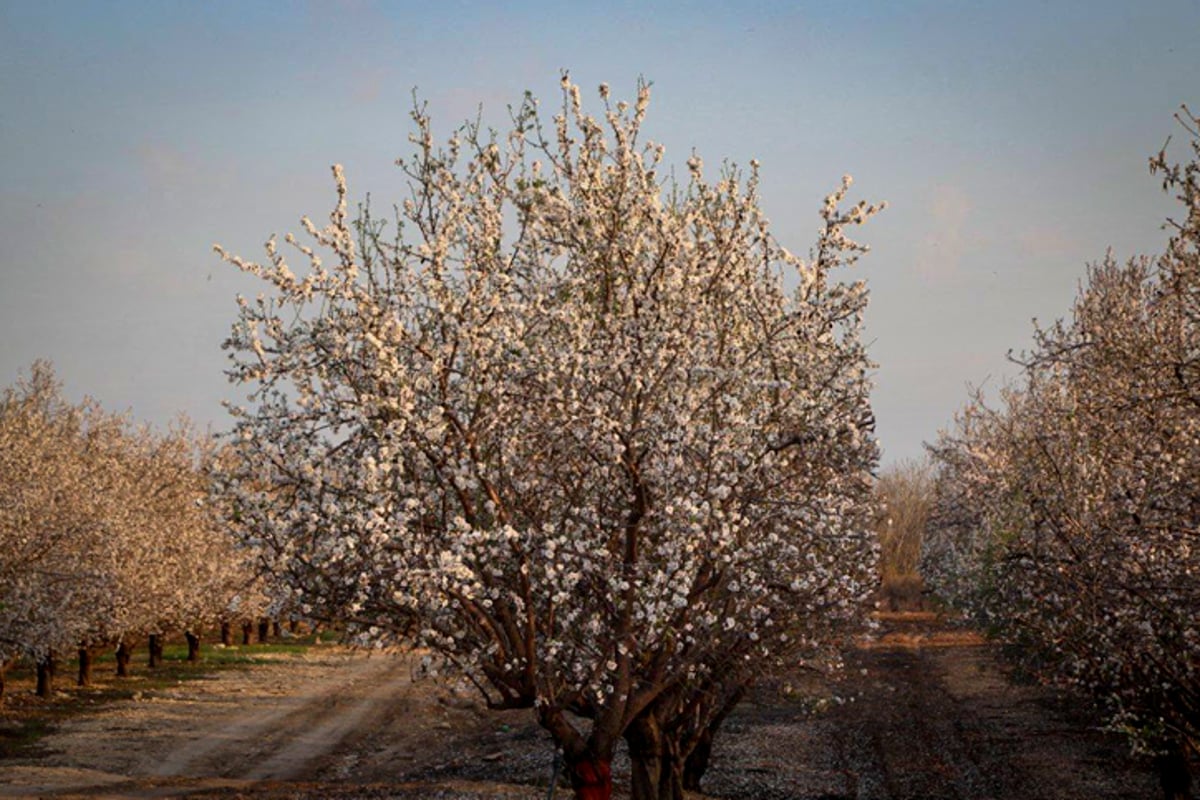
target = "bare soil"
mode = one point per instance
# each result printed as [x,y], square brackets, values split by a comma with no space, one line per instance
[924,711]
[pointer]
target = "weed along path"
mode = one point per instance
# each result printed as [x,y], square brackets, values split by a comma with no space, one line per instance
[925,712]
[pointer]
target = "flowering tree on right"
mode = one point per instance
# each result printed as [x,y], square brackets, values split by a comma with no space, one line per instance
[1066,519]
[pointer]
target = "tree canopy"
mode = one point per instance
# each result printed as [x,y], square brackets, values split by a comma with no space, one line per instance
[1066,518]
[593,437]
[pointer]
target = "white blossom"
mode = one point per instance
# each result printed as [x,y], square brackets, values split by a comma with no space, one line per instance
[606,416]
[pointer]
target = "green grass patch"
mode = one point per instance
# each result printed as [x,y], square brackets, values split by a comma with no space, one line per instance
[26,719]
[216,655]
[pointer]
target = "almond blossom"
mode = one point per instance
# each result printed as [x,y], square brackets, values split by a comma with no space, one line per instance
[105,529]
[562,422]
[1066,518]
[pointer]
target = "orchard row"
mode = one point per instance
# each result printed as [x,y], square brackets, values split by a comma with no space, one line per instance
[1066,517]
[109,533]
[603,446]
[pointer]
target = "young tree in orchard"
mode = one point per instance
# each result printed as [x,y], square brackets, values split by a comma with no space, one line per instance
[184,569]
[170,565]
[960,539]
[565,425]
[1082,545]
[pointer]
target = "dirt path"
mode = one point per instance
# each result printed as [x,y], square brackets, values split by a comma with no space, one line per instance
[903,735]
[291,737]
[286,721]
[925,713]
[929,714]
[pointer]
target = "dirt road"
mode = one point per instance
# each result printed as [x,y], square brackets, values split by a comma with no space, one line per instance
[292,737]
[928,714]
[924,712]
[286,722]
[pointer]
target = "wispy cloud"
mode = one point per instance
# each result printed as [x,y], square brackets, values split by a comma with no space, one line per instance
[1046,242]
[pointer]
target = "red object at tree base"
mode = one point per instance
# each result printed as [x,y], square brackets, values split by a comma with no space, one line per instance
[592,780]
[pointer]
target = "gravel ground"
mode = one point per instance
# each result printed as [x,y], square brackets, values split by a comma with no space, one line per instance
[928,714]
[925,713]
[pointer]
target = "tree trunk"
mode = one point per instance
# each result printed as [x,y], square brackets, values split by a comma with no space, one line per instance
[226,634]
[193,643]
[124,656]
[264,629]
[45,675]
[656,771]
[696,763]
[644,738]
[1173,774]
[156,650]
[588,762]
[276,630]
[591,778]
[247,629]
[85,666]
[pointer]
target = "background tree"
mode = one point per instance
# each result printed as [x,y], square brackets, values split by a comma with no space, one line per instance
[105,532]
[565,425]
[905,494]
[1067,519]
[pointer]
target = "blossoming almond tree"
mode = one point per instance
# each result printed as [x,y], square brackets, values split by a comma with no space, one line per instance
[1082,544]
[51,566]
[104,532]
[565,425]
[186,569]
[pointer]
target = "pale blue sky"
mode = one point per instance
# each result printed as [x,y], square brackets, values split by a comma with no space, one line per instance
[1010,138]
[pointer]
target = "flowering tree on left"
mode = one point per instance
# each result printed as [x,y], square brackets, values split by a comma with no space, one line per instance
[105,532]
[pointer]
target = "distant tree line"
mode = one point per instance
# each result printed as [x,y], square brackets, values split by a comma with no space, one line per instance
[108,534]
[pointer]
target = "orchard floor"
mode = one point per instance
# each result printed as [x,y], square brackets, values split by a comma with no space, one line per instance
[925,712]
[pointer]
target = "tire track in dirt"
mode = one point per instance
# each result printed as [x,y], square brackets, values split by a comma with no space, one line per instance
[296,739]
[904,733]
[924,712]
[343,723]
